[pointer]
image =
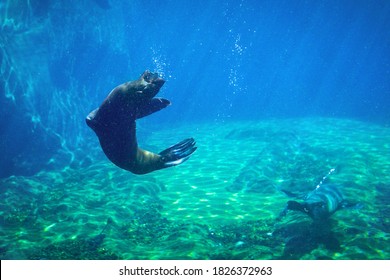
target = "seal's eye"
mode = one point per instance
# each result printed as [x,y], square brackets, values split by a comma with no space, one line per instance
[150,77]
[147,76]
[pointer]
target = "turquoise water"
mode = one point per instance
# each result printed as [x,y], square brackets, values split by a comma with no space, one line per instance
[205,208]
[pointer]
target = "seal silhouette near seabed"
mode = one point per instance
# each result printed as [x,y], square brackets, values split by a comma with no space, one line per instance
[114,125]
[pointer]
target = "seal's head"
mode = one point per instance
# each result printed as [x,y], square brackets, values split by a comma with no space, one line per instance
[147,86]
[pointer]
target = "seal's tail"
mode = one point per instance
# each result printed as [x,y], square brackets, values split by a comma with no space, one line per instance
[178,153]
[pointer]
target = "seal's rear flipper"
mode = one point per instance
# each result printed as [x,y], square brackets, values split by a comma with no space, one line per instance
[290,194]
[178,153]
[347,204]
[293,195]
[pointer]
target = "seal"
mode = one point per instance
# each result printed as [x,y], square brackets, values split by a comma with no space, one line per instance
[114,123]
[320,203]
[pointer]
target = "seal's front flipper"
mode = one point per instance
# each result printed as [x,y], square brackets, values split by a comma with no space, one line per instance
[295,206]
[154,105]
[291,205]
[178,153]
[282,214]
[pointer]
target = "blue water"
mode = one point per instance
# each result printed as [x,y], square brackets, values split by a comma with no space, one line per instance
[222,61]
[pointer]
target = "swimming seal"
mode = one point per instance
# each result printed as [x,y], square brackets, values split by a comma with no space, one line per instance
[115,126]
[320,203]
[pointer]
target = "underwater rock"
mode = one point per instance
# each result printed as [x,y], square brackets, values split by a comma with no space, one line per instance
[79,249]
[286,162]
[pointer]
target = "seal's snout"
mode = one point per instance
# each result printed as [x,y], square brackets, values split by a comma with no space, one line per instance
[159,82]
[151,83]
[152,78]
